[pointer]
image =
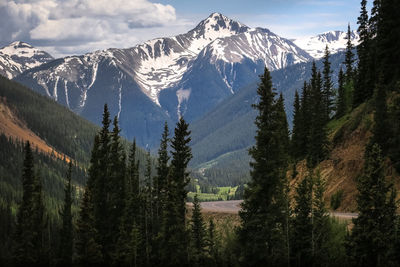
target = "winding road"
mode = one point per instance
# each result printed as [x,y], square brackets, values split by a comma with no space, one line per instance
[233,206]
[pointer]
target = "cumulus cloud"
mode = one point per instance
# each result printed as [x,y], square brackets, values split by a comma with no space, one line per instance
[75,26]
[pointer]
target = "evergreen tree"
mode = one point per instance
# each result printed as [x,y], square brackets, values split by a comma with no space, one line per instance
[147,202]
[174,236]
[372,238]
[39,220]
[29,229]
[302,223]
[261,233]
[160,190]
[162,174]
[198,235]
[328,93]
[116,186]
[388,38]
[66,234]
[321,226]
[317,145]
[342,105]
[297,124]
[87,249]
[283,132]
[130,238]
[305,122]
[212,243]
[363,88]
[349,58]
[375,19]
[133,171]
[101,191]
[381,129]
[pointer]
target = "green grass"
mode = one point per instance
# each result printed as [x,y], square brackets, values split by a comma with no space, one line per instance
[223,193]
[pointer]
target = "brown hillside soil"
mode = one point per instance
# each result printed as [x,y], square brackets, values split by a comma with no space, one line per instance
[346,160]
[13,127]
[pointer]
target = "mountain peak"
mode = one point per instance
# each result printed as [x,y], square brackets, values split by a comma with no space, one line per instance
[21,49]
[18,57]
[217,22]
[19,44]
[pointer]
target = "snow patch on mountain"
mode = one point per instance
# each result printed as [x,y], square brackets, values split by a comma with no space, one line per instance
[336,41]
[182,95]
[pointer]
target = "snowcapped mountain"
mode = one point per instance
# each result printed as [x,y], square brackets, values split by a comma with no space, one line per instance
[18,57]
[163,61]
[165,78]
[336,41]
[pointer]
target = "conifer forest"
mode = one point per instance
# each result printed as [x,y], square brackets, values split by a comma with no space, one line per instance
[104,200]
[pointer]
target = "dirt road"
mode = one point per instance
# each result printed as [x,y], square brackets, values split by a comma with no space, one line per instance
[233,206]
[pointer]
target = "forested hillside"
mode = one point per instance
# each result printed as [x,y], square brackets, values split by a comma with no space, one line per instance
[57,136]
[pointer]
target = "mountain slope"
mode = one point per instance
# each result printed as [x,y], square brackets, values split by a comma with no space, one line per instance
[236,116]
[229,64]
[163,79]
[18,57]
[12,127]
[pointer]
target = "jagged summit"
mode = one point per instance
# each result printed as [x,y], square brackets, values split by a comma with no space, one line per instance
[217,22]
[20,44]
[18,57]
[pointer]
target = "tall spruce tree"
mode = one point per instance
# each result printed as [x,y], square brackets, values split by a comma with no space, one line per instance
[349,57]
[174,235]
[212,243]
[101,193]
[198,235]
[261,235]
[381,129]
[27,248]
[162,174]
[66,233]
[328,93]
[302,242]
[305,122]
[320,220]
[147,202]
[160,190]
[388,38]
[342,105]
[296,149]
[116,186]
[87,249]
[372,238]
[363,88]
[130,238]
[317,145]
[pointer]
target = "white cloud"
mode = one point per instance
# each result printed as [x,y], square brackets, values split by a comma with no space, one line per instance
[75,26]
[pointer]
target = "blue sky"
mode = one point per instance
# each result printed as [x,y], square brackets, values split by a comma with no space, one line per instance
[66,27]
[288,18]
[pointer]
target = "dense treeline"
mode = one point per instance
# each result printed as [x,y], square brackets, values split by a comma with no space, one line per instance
[275,233]
[276,229]
[125,218]
[52,170]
